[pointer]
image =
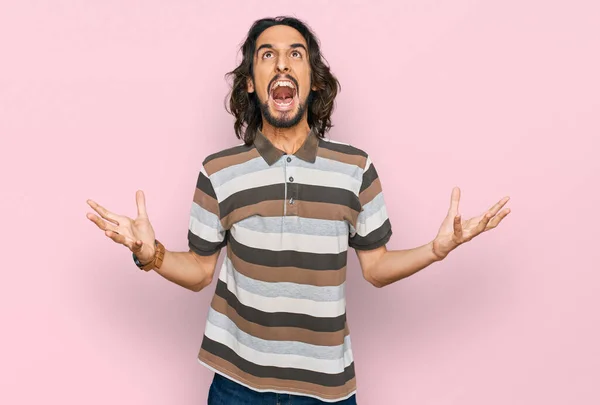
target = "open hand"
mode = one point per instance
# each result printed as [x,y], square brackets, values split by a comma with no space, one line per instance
[454,231]
[137,235]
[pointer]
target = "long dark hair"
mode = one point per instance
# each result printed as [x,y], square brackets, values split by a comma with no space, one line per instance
[245,107]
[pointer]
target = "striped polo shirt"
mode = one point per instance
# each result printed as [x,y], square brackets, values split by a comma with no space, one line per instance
[277,321]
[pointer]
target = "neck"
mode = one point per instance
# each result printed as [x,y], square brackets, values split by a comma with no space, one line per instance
[288,140]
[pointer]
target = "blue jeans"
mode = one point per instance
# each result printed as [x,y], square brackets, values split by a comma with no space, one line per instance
[223,391]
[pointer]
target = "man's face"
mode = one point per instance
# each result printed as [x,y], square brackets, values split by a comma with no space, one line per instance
[282,74]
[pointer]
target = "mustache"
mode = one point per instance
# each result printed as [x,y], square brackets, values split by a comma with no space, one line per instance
[283,77]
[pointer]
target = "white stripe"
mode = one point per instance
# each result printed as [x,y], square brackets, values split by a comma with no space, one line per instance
[277,360]
[318,309]
[295,225]
[368,225]
[290,241]
[367,164]
[338,142]
[324,178]
[205,232]
[251,180]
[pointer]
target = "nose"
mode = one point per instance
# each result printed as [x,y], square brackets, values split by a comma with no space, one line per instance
[283,65]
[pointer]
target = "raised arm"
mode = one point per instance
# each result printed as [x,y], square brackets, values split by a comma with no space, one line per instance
[187,269]
[382,267]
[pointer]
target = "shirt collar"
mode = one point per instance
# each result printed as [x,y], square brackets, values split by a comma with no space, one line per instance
[307,152]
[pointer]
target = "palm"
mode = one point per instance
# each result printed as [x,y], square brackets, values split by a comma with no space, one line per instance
[138,235]
[454,231]
[142,229]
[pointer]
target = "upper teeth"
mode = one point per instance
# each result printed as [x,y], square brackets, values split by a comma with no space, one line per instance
[283,83]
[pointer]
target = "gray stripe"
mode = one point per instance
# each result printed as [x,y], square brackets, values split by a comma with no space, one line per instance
[371,208]
[206,217]
[329,165]
[257,164]
[275,346]
[286,289]
[297,225]
[229,173]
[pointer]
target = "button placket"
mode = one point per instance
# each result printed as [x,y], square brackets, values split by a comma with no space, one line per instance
[291,187]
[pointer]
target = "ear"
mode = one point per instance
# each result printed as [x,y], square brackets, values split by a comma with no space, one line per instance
[250,85]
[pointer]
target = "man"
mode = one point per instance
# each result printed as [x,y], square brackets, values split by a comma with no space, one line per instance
[287,204]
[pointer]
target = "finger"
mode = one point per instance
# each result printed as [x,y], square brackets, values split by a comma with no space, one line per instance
[497,219]
[454,200]
[498,206]
[121,239]
[104,213]
[483,223]
[141,204]
[493,210]
[458,231]
[100,223]
[137,246]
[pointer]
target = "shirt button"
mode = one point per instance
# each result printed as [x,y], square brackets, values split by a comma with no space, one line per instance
[291,179]
[289,159]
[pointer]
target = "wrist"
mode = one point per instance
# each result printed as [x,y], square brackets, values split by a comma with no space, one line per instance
[145,263]
[157,258]
[433,249]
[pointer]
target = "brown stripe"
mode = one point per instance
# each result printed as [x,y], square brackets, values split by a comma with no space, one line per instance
[279,333]
[269,208]
[222,162]
[318,278]
[356,160]
[321,210]
[330,393]
[370,192]
[341,147]
[206,201]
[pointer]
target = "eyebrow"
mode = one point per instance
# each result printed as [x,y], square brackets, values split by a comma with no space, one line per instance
[293,46]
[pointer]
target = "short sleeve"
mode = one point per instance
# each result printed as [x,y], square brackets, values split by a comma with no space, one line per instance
[206,234]
[373,228]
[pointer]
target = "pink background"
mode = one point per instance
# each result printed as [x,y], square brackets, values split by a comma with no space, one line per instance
[100,98]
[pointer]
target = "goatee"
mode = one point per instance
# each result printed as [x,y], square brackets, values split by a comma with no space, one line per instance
[285,120]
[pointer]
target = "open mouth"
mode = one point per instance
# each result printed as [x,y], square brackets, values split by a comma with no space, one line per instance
[283,93]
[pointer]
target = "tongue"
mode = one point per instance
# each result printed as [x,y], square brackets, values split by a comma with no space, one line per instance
[286,100]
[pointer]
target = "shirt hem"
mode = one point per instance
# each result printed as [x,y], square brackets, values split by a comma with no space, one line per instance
[240,380]
[373,245]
